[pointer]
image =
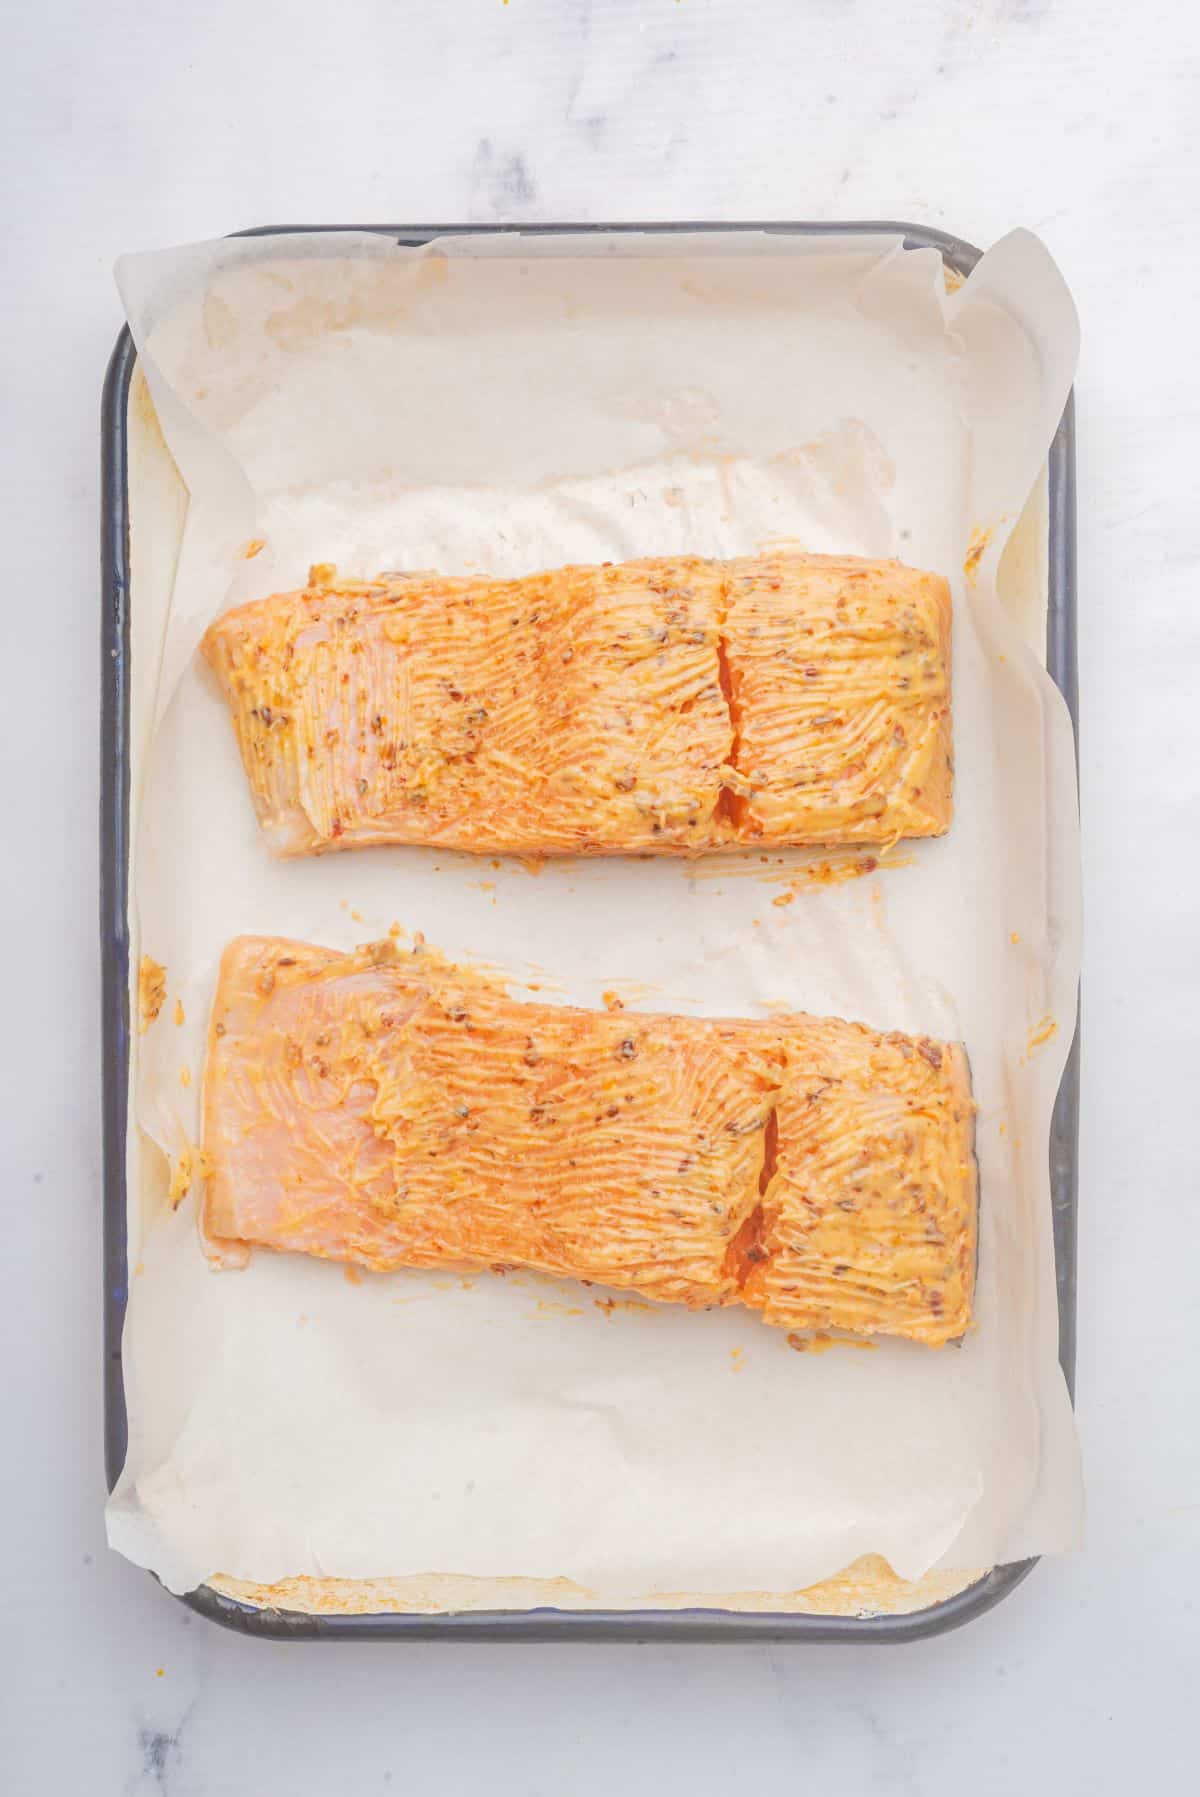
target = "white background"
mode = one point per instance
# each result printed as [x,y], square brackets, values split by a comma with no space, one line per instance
[127,126]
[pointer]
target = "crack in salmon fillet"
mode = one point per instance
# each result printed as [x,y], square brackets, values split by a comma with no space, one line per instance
[390,1110]
[659,706]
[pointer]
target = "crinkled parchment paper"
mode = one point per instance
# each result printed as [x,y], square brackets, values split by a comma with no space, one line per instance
[505,406]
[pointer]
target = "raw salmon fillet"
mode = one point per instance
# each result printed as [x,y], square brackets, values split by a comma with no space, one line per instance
[572,713]
[869,1221]
[662,706]
[387,1109]
[839,699]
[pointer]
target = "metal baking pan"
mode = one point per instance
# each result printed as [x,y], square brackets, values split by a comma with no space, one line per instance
[115,675]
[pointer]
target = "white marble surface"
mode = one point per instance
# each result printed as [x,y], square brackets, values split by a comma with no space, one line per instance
[127,126]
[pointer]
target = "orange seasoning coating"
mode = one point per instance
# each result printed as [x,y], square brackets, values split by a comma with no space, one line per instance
[571,713]
[870,1212]
[389,1110]
[840,698]
[152,991]
[660,706]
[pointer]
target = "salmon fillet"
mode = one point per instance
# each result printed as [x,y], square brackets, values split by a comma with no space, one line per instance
[868,1223]
[661,706]
[570,713]
[391,1110]
[839,699]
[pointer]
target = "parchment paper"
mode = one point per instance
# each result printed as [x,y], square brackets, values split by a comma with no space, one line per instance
[502,407]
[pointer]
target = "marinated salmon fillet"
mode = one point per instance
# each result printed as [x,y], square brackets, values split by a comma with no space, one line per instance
[839,676]
[574,712]
[868,1223]
[660,706]
[388,1109]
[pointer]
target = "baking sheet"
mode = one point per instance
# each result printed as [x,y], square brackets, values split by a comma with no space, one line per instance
[506,407]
